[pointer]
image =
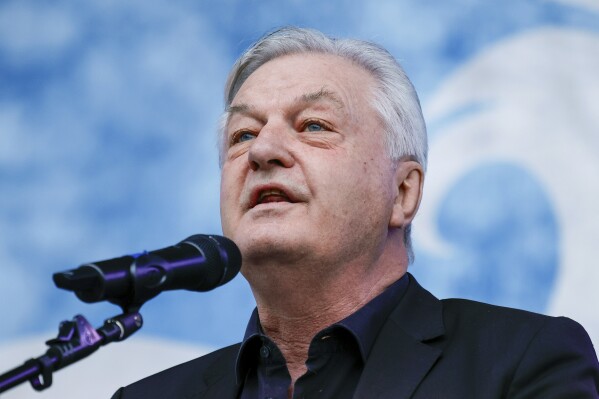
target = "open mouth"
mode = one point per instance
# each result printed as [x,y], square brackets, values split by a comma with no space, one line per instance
[266,195]
[272,195]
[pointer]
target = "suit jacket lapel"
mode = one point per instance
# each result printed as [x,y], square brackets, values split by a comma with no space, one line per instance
[400,357]
[220,378]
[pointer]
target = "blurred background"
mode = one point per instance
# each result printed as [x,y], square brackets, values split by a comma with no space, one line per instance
[108,116]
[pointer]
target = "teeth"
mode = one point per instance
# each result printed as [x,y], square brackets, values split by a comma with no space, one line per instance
[266,193]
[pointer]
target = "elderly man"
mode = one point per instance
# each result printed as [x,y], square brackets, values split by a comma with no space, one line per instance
[323,152]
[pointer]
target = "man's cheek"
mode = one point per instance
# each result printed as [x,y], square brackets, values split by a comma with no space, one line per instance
[228,217]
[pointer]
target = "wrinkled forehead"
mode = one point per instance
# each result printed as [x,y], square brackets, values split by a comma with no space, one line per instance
[306,65]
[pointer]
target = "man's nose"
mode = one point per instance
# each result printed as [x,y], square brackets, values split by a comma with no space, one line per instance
[271,148]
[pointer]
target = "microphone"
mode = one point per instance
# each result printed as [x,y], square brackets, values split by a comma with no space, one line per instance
[198,263]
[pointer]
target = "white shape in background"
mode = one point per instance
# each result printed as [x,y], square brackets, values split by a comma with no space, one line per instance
[591,5]
[538,93]
[102,373]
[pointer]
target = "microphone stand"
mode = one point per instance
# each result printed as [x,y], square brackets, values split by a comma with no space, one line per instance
[76,339]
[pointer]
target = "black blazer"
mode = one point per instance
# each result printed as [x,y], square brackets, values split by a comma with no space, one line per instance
[429,348]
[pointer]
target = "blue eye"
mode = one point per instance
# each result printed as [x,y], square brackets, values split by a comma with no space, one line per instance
[314,127]
[245,136]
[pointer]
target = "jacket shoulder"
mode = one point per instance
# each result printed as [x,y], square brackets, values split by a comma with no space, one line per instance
[481,321]
[493,316]
[466,309]
[185,378]
[533,355]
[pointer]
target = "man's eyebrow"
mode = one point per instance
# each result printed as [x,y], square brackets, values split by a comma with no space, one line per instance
[241,108]
[320,95]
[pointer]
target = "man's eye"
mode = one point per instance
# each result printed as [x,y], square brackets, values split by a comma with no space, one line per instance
[314,127]
[245,136]
[242,136]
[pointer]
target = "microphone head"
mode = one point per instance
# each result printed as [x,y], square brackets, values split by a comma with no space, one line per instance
[220,252]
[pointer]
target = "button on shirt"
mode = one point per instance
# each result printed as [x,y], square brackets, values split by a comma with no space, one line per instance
[336,355]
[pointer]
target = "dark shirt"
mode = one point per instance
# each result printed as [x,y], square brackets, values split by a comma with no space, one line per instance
[336,355]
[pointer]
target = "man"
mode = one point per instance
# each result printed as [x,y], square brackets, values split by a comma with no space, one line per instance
[323,153]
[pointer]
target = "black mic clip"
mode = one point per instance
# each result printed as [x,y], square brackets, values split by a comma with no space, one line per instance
[76,340]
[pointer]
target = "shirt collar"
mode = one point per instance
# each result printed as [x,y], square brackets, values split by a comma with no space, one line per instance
[364,325]
[250,345]
[366,322]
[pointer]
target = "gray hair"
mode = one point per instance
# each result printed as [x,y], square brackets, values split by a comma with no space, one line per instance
[394,96]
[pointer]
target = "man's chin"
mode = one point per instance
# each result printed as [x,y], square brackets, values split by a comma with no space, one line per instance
[268,247]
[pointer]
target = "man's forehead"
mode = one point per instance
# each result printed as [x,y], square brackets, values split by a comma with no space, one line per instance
[322,95]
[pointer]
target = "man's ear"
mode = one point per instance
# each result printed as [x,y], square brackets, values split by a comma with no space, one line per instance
[409,179]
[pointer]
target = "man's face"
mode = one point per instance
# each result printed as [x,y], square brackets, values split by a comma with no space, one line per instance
[306,175]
